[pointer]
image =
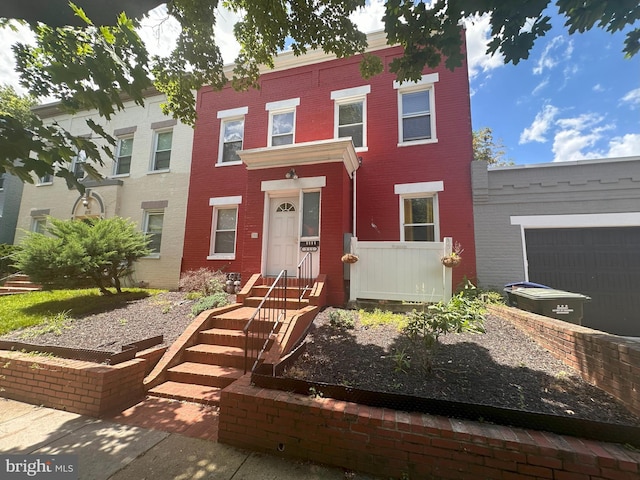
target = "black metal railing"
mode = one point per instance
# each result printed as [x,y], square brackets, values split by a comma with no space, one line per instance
[264,322]
[305,275]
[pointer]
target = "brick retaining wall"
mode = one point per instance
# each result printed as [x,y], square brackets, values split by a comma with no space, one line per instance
[390,443]
[610,362]
[73,385]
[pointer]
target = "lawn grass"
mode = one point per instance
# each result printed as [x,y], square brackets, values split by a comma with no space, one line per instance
[35,308]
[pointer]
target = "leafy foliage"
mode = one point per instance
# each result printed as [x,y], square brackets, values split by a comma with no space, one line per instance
[18,106]
[342,319]
[102,250]
[219,299]
[6,262]
[486,149]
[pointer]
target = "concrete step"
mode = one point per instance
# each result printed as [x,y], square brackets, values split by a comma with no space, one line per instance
[187,392]
[210,355]
[204,375]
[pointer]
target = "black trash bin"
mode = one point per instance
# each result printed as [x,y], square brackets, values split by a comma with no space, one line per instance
[567,306]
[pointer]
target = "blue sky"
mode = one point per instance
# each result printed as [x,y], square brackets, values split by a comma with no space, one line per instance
[575,97]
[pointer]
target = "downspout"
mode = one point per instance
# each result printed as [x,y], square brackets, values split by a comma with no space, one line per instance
[355,183]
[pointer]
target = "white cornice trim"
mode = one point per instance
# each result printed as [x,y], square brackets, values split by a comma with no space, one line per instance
[587,220]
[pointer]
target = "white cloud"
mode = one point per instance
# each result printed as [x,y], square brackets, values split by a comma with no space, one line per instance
[625,146]
[8,74]
[598,88]
[478,36]
[541,124]
[557,49]
[369,18]
[577,137]
[540,86]
[632,98]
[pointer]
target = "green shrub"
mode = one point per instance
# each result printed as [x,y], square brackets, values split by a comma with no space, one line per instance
[343,319]
[218,299]
[6,262]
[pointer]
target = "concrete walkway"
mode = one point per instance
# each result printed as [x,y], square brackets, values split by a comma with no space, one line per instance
[156,439]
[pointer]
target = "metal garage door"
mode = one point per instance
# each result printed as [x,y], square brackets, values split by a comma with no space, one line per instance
[603,263]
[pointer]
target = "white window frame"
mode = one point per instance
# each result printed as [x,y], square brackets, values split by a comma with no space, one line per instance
[43,182]
[35,221]
[420,190]
[145,230]
[279,108]
[79,159]
[348,96]
[223,203]
[156,136]
[231,115]
[117,160]
[426,83]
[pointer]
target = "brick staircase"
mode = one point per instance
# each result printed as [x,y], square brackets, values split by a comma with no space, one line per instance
[18,283]
[211,354]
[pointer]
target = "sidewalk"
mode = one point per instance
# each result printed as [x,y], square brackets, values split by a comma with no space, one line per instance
[156,439]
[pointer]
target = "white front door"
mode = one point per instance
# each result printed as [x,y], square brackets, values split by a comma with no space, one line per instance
[283,247]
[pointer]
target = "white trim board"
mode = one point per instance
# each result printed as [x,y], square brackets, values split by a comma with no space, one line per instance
[626,219]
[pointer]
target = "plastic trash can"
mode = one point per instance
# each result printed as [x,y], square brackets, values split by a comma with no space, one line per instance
[567,306]
[512,301]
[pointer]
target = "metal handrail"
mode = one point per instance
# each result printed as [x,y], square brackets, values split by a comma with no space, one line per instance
[305,275]
[271,311]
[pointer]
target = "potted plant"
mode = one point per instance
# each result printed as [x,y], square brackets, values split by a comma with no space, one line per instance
[349,258]
[454,258]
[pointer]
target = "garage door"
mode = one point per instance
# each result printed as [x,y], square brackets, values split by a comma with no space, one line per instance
[603,263]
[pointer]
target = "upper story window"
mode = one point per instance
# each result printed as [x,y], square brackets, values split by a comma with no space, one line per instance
[282,121]
[416,111]
[350,114]
[123,156]
[46,179]
[77,164]
[162,150]
[419,211]
[231,134]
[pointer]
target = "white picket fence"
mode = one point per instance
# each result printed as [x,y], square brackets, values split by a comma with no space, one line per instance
[400,271]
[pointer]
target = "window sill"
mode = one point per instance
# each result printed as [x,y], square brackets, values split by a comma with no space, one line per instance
[44,184]
[120,175]
[227,164]
[153,256]
[362,149]
[154,172]
[418,142]
[219,256]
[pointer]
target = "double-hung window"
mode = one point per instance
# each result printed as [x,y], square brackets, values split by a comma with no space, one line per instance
[123,156]
[77,164]
[46,179]
[416,111]
[282,122]
[39,225]
[350,114]
[153,221]
[419,211]
[224,227]
[231,135]
[162,150]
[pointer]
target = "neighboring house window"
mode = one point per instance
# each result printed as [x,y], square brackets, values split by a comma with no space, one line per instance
[1,181]
[224,226]
[153,230]
[45,179]
[77,165]
[231,134]
[39,225]
[416,111]
[282,121]
[351,114]
[123,156]
[311,214]
[162,150]
[419,211]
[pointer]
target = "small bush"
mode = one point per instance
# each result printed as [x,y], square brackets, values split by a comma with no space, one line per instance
[204,281]
[343,319]
[218,299]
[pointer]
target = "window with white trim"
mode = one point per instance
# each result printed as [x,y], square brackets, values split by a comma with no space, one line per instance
[282,122]
[416,111]
[124,150]
[419,217]
[350,114]
[46,179]
[39,225]
[163,141]
[77,164]
[224,228]
[153,221]
[231,135]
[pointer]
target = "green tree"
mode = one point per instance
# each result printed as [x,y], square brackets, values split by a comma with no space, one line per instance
[486,149]
[103,250]
[89,66]
[18,106]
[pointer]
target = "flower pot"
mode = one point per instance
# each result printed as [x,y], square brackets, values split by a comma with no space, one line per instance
[349,258]
[451,261]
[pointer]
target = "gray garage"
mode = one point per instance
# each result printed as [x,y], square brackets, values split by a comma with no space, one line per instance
[571,225]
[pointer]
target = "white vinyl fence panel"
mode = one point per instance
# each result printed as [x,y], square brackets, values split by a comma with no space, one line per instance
[401,271]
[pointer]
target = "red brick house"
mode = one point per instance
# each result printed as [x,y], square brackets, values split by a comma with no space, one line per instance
[318,155]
